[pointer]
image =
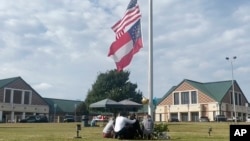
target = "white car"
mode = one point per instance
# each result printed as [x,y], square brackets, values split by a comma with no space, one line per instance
[248,119]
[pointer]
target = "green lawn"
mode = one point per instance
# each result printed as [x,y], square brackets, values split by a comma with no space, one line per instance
[67,132]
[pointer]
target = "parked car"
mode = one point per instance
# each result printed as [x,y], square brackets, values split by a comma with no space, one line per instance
[174,120]
[238,119]
[35,119]
[248,119]
[101,118]
[204,119]
[69,118]
[220,118]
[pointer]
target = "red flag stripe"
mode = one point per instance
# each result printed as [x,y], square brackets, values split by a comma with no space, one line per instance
[128,37]
[124,23]
[127,13]
[125,61]
[138,45]
[119,34]
[129,17]
[120,43]
[128,24]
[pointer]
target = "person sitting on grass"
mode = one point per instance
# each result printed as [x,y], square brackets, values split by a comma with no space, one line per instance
[121,130]
[147,126]
[108,131]
[93,122]
[135,131]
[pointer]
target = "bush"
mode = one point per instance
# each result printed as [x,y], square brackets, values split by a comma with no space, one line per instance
[160,131]
[161,127]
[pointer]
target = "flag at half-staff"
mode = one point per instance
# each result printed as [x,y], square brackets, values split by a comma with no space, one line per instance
[128,36]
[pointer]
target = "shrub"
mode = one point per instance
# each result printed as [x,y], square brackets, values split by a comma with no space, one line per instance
[161,127]
[160,131]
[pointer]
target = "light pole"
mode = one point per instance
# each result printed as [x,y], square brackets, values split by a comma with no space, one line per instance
[55,105]
[169,113]
[231,61]
[75,111]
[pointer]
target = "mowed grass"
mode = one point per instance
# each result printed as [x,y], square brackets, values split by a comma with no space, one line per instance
[181,131]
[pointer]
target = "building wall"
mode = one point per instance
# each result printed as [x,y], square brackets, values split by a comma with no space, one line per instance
[206,106]
[20,84]
[10,111]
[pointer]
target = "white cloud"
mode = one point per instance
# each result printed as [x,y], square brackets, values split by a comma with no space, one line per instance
[60,46]
[242,13]
[42,86]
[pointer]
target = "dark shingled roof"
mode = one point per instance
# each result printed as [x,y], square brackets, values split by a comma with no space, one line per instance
[4,82]
[105,103]
[62,106]
[129,103]
[215,90]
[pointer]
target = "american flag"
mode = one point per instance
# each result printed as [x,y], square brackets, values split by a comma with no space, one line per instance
[132,15]
[129,42]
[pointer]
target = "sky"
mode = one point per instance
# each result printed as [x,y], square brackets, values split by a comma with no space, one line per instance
[60,46]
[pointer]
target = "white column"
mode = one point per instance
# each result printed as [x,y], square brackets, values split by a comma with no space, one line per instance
[246,105]
[23,115]
[1,116]
[22,99]
[12,116]
[169,114]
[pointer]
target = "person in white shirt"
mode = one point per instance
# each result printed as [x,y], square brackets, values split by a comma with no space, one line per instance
[108,130]
[121,122]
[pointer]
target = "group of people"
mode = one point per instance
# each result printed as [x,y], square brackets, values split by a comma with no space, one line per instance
[123,127]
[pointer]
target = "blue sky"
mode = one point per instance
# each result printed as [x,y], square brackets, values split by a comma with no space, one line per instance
[59,47]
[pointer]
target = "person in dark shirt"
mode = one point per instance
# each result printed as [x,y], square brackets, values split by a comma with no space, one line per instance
[135,131]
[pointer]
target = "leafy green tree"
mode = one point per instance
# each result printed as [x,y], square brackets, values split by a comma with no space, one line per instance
[114,85]
[81,109]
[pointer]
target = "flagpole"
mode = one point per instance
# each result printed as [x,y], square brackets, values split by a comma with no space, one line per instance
[150,71]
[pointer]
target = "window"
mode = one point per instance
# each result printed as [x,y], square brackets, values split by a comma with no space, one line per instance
[176,99]
[7,96]
[236,99]
[240,100]
[193,97]
[17,97]
[231,95]
[187,97]
[26,97]
[184,97]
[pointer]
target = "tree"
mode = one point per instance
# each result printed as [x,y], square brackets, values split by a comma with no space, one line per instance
[114,85]
[81,109]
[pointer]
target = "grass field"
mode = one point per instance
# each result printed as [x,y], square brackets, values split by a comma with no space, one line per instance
[67,132]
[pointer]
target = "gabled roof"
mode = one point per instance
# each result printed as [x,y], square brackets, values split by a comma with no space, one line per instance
[105,103]
[167,94]
[62,105]
[156,100]
[144,107]
[7,81]
[129,103]
[4,82]
[216,90]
